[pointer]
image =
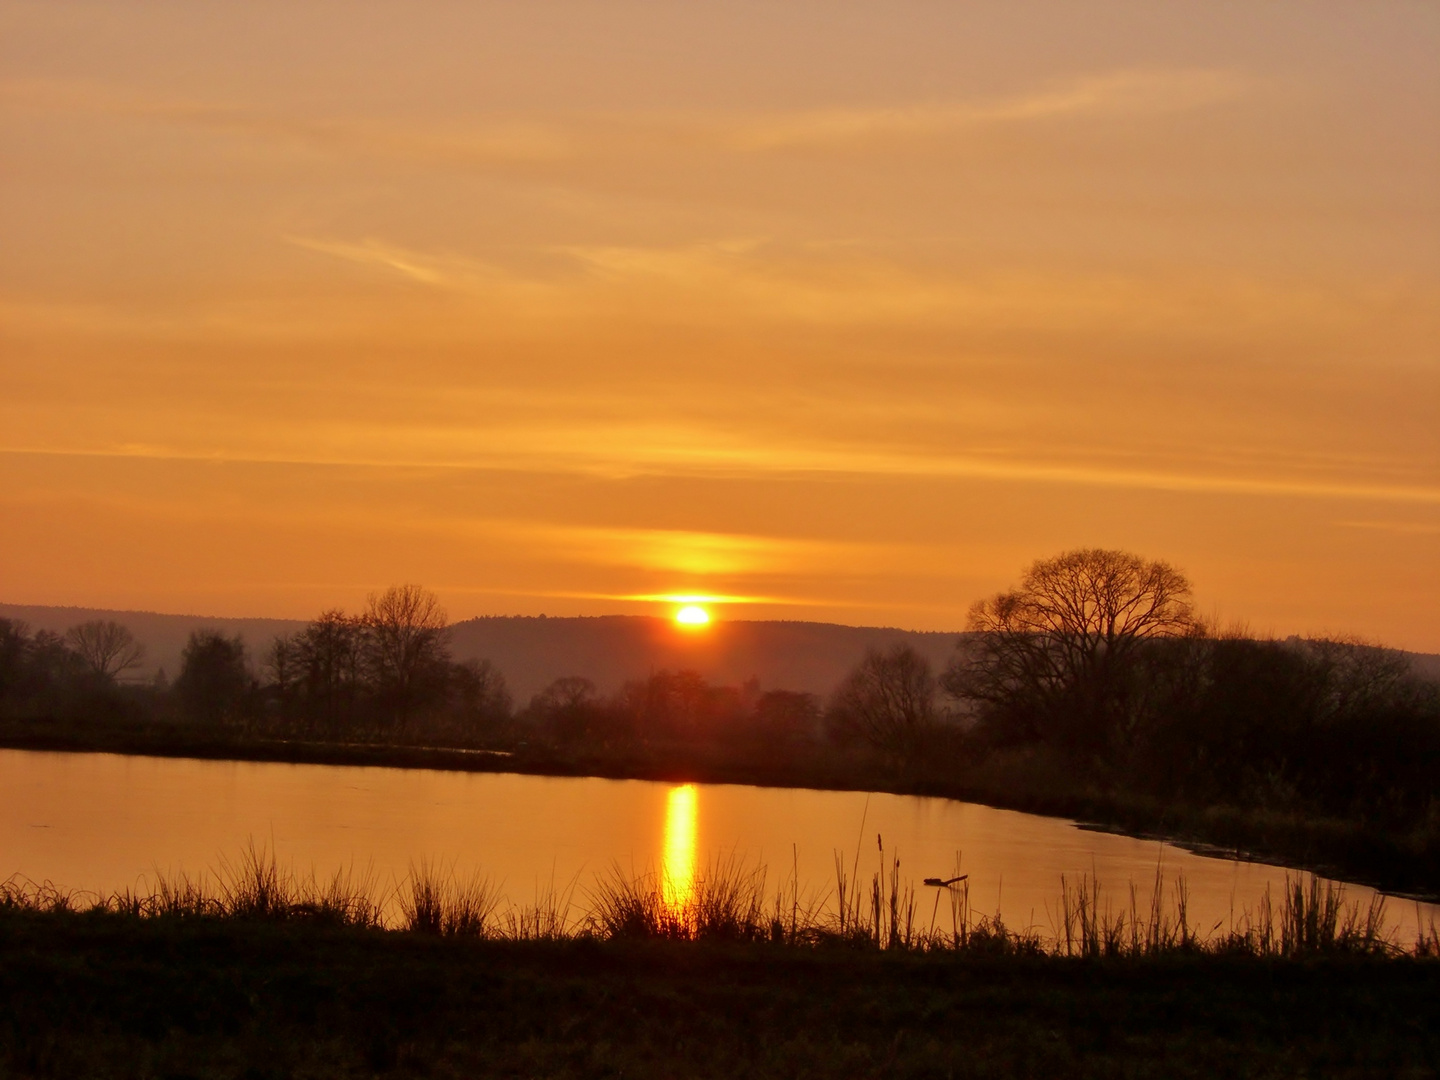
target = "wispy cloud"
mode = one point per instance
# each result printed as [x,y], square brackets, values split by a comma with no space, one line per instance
[571,136]
[489,141]
[451,273]
[1404,528]
[1125,93]
[725,278]
[692,553]
[632,450]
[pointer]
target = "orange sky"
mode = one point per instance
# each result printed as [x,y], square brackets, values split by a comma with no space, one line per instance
[852,310]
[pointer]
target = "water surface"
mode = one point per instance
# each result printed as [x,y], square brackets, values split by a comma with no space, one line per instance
[104,822]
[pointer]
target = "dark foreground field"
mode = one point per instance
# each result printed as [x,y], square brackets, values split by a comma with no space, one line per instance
[101,995]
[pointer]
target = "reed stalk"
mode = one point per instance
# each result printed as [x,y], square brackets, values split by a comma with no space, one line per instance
[730,902]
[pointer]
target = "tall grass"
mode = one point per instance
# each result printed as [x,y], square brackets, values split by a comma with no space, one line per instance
[1090,925]
[251,886]
[433,901]
[730,902]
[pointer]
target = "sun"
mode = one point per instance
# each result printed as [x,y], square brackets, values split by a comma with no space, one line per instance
[692,615]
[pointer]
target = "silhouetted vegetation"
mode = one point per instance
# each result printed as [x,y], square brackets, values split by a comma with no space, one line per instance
[385,674]
[258,971]
[1095,671]
[730,901]
[1091,690]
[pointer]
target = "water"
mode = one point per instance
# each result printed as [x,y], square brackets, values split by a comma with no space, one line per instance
[103,822]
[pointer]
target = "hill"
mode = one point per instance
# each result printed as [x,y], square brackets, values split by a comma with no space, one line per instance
[163,636]
[610,649]
[533,651]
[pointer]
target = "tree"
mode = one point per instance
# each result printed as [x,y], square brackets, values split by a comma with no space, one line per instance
[478,692]
[406,629]
[329,657]
[888,701]
[1059,657]
[107,647]
[568,710]
[214,683]
[786,716]
[14,657]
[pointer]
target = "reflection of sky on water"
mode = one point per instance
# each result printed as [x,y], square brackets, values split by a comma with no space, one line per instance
[678,870]
[104,822]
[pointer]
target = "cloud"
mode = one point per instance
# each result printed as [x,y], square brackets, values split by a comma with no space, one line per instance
[576,136]
[639,449]
[493,141]
[452,273]
[720,280]
[1125,93]
[1404,528]
[688,552]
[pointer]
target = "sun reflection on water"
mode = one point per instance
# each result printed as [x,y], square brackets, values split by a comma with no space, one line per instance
[678,880]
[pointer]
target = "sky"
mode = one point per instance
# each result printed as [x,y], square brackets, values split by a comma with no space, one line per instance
[841,311]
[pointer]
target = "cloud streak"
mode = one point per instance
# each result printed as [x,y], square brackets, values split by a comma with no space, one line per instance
[635,451]
[556,138]
[1134,94]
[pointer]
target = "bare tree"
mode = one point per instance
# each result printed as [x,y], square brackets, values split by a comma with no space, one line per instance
[407,643]
[1057,656]
[106,647]
[330,656]
[888,700]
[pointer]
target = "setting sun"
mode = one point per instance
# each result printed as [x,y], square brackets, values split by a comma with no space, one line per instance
[692,615]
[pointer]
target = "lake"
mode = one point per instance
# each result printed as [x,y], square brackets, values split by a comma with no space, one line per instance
[104,822]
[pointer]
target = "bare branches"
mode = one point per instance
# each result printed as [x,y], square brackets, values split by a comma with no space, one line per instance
[888,700]
[1055,655]
[107,648]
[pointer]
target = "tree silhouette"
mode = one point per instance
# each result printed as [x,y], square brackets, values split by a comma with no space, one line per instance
[406,645]
[107,647]
[329,655]
[888,700]
[1059,657]
[214,684]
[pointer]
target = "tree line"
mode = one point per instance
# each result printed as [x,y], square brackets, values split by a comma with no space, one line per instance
[384,673]
[1094,671]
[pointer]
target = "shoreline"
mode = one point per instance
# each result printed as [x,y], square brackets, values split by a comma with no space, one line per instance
[1319,847]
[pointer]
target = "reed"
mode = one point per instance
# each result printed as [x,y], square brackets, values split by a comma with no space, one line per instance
[436,901]
[729,902]
[725,902]
[548,918]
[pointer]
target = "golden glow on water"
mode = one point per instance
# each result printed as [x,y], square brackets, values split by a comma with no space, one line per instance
[104,823]
[678,871]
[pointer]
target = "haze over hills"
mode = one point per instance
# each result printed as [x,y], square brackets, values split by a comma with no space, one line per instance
[610,649]
[163,636]
[532,651]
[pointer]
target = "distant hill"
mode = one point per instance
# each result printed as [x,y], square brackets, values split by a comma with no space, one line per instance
[609,649]
[533,652]
[163,636]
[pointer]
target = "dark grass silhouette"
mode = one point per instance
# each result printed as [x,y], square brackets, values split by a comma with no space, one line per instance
[254,971]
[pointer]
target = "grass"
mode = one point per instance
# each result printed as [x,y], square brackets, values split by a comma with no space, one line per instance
[729,902]
[253,971]
[100,994]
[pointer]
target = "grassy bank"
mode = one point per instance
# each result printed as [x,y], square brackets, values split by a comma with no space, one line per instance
[1407,863]
[262,975]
